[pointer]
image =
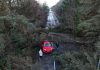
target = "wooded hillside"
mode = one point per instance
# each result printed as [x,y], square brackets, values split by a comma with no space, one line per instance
[18,22]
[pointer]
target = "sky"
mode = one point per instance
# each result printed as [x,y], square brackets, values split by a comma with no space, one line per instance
[50,3]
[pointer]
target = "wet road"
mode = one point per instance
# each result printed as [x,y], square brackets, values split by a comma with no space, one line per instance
[47,62]
[52,20]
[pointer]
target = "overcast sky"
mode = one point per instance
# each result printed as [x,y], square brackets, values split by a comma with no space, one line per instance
[50,3]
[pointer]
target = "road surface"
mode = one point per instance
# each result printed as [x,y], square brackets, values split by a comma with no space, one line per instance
[52,20]
[47,62]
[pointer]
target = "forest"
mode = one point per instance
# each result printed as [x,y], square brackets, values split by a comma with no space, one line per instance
[23,28]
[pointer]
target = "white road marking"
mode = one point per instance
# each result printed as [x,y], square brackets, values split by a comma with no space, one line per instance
[54,65]
[98,65]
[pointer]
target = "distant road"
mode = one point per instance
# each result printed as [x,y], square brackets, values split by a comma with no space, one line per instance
[52,20]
